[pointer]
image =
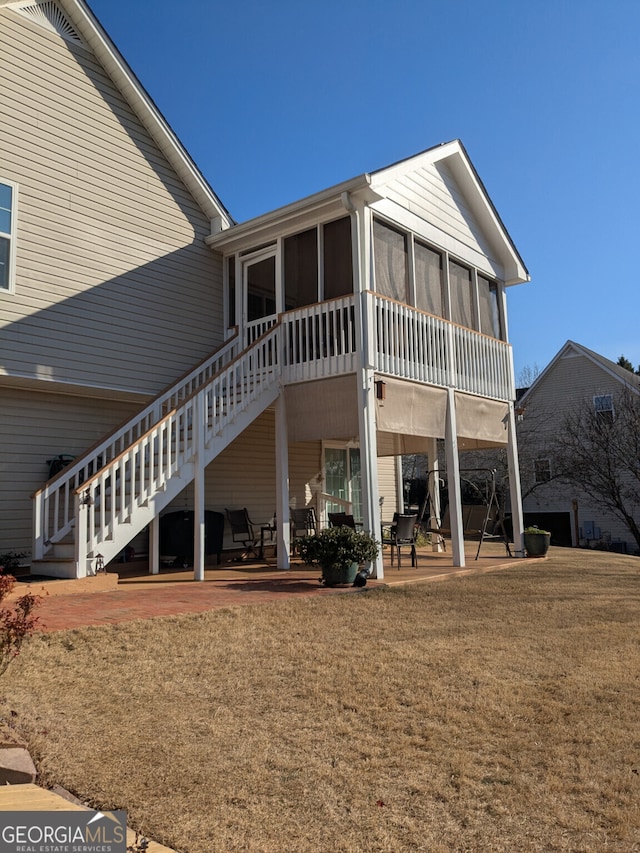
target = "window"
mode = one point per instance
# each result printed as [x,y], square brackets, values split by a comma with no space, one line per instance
[337,258]
[461,295]
[343,479]
[391,262]
[7,234]
[301,269]
[542,470]
[603,405]
[231,301]
[489,311]
[428,280]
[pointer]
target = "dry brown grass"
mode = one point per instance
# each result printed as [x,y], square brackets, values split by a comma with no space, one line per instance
[491,713]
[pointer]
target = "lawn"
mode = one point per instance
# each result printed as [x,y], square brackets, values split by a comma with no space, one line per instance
[491,713]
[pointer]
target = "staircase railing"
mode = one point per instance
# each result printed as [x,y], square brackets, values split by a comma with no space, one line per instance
[132,479]
[54,503]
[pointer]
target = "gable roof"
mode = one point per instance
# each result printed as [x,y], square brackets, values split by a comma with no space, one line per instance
[454,156]
[95,37]
[621,374]
[370,186]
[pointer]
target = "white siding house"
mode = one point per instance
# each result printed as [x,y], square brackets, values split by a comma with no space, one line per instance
[574,378]
[185,360]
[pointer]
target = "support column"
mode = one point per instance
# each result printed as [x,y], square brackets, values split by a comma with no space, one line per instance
[369,463]
[515,490]
[433,485]
[198,490]
[154,545]
[283,535]
[453,480]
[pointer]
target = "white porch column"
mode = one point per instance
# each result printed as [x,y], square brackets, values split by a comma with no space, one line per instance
[515,490]
[433,485]
[198,490]
[369,463]
[154,545]
[453,480]
[283,536]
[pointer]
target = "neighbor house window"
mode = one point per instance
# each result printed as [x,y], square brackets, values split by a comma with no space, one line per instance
[391,262]
[603,405]
[542,470]
[7,234]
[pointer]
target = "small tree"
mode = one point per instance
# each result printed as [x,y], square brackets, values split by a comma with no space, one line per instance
[17,623]
[624,362]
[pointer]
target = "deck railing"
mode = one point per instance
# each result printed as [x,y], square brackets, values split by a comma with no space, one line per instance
[129,481]
[54,503]
[410,344]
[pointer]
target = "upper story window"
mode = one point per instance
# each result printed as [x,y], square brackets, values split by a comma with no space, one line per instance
[410,271]
[429,281]
[542,470]
[318,264]
[603,405]
[7,234]
[391,262]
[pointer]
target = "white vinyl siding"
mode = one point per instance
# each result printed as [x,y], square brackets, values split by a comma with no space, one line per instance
[114,287]
[34,428]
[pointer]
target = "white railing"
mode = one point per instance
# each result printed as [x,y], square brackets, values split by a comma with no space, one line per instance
[130,480]
[257,328]
[320,340]
[413,345]
[54,503]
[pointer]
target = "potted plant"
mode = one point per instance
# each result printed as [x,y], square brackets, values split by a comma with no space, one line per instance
[339,551]
[536,541]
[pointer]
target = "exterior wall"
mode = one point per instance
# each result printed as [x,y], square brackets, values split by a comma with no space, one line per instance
[35,427]
[572,380]
[114,285]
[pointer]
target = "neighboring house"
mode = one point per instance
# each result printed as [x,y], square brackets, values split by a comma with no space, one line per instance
[574,378]
[308,348]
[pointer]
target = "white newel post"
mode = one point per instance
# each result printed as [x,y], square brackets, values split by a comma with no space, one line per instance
[434,492]
[515,490]
[81,513]
[199,416]
[453,480]
[154,545]
[282,485]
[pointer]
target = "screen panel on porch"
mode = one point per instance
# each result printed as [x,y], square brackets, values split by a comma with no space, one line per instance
[429,280]
[322,409]
[481,422]
[411,409]
[391,263]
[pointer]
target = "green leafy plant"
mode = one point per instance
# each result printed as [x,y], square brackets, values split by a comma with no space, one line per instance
[338,546]
[536,529]
[17,623]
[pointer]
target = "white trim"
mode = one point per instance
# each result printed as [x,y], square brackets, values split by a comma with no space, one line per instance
[12,236]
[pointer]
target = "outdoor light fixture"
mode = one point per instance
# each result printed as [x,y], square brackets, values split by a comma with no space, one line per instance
[381,390]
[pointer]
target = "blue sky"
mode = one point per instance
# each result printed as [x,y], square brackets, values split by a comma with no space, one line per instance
[276,100]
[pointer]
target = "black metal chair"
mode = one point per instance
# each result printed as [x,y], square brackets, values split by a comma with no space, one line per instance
[303,523]
[243,530]
[341,519]
[404,531]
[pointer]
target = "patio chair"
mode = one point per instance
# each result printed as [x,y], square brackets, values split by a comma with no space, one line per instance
[403,535]
[341,519]
[303,523]
[243,530]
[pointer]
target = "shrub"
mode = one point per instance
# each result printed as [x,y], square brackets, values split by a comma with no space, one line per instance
[338,546]
[17,623]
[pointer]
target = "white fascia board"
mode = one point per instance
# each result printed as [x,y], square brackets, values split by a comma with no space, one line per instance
[115,65]
[290,218]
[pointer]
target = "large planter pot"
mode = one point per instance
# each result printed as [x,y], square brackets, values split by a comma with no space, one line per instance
[537,544]
[333,575]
